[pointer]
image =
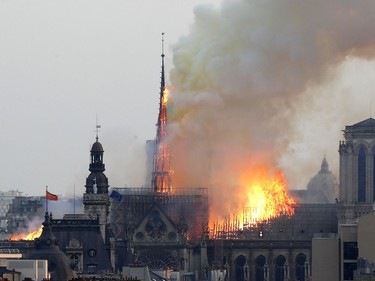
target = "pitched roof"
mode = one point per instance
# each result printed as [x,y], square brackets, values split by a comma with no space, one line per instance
[370,122]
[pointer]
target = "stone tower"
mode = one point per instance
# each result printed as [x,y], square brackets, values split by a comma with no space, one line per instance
[357,163]
[95,199]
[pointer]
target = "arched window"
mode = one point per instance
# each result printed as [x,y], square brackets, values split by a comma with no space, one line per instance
[240,263]
[260,262]
[279,268]
[361,175]
[74,260]
[300,266]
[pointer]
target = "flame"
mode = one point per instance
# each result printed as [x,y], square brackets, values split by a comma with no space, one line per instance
[261,197]
[267,196]
[166,95]
[162,171]
[27,235]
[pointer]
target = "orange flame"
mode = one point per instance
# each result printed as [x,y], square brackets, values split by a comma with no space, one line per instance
[261,197]
[166,95]
[267,196]
[26,235]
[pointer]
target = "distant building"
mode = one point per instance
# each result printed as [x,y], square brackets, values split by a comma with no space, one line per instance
[5,200]
[349,253]
[36,270]
[87,239]
[322,188]
[22,211]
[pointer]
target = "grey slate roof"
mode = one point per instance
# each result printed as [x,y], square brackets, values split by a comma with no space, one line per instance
[370,122]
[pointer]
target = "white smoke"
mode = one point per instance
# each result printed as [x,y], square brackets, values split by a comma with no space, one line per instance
[263,83]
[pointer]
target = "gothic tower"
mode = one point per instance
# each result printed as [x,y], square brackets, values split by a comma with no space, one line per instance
[161,181]
[357,163]
[95,199]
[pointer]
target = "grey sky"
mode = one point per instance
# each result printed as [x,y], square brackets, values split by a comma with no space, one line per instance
[64,62]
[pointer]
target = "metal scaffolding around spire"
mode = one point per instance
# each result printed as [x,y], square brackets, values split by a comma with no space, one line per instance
[162,172]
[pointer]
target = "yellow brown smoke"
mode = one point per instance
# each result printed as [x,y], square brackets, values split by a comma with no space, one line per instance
[242,75]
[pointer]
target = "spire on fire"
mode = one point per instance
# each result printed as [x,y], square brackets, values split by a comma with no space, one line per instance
[162,172]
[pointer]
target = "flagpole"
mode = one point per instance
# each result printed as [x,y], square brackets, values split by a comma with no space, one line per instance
[74,199]
[46,199]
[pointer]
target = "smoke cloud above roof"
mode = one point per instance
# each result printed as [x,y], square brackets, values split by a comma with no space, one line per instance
[268,83]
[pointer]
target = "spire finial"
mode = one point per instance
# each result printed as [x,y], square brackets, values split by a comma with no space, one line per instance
[162,82]
[97,128]
[162,45]
[324,166]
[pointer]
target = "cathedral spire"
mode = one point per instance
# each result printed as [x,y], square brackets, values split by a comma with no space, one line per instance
[162,80]
[162,172]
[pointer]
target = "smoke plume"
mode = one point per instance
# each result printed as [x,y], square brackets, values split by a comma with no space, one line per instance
[249,85]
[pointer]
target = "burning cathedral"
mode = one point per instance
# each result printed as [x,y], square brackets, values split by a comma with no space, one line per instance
[168,228]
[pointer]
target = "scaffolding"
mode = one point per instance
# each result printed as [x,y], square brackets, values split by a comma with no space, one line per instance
[187,208]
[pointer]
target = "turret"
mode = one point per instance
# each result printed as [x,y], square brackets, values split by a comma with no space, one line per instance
[96,200]
[97,182]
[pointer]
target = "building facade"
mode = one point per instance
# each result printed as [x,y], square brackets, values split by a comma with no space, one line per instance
[357,163]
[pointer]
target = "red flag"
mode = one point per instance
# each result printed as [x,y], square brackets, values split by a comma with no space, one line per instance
[50,196]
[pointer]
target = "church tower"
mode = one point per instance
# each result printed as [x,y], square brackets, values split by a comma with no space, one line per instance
[95,199]
[161,181]
[357,163]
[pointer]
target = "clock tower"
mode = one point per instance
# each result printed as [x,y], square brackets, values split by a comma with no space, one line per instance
[95,199]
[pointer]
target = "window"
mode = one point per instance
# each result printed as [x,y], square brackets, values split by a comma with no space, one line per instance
[240,263]
[91,268]
[349,268]
[74,261]
[280,268]
[350,251]
[260,263]
[361,175]
[300,266]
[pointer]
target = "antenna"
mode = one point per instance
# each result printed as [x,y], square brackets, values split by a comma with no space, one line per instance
[97,128]
[162,80]
[162,45]
[74,199]
[46,199]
